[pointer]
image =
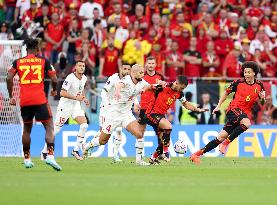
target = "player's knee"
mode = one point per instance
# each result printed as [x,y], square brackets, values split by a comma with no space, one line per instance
[118,130]
[246,123]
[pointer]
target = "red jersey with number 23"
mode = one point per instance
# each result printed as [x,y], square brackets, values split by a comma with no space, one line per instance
[165,100]
[31,71]
[148,97]
[245,95]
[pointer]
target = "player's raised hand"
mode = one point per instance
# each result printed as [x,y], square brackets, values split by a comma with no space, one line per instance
[86,102]
[12,101]
[216,110]
[53,93]
[80,98]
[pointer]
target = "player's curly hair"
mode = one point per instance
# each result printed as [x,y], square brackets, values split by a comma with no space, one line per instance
[251,64]
[31,44]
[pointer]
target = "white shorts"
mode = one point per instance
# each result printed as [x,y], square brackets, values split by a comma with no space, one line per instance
[64,112]
[102,115]
[115,119]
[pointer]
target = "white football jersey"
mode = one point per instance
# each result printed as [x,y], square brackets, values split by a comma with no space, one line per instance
[128,94]
[73,86]
[109,89]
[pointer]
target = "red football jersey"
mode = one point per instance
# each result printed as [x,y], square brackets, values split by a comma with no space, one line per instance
[31,71]
[245,95]
[111,61]
[165,100]
[148,97]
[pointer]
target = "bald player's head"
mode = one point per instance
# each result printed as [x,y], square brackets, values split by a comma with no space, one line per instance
[137,72]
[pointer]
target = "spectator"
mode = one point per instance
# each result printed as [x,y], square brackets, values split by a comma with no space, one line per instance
[193,60]
[139,16]
[44,18]
[123,19]
[160,58]
[10,8]
[210,60]
[96,15]
[21,7]
[208,117]
[54,36]
[121,33]
[245,55]
[187,117]
[174,63]
[268,112]
[86,12]
[209,26]
[110,60]
[156,25]
[5,34]
[98,34]
[184,40]
[73,36]
[231,65]
[178,26]
[71,15]
[85,38]
[89,59]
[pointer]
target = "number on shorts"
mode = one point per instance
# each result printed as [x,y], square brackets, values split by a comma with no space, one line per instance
[62,120]
[108,128]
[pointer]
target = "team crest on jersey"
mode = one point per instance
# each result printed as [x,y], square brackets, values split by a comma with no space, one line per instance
[65,82]
[108,82]
[80,87]
[256,90]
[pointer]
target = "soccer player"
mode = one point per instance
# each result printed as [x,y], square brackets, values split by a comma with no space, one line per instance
[247,92]
[148,97]
[120,113]
[72,94]
[156,113]
[31,70]
[107,95]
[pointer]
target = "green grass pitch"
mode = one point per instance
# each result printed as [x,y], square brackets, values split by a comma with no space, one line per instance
[96,181]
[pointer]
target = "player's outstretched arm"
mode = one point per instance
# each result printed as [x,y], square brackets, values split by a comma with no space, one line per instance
[221,100]
[193,108]
[9,81]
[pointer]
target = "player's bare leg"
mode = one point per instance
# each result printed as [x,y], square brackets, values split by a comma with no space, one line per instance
[50,139]
[195,157]
[95,142]
[137,130]
[117,143]
[82,121]
[26,141]
[244,125]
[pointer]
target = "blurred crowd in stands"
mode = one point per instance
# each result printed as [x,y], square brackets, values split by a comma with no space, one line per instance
[196,38]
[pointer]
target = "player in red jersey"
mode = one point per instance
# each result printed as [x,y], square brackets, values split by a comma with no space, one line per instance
[148,97]
[31,70]
[247,92]
[165,98]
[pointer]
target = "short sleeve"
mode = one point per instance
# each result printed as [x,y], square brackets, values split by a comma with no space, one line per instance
[232,87]
[110,83]
[67,83]
[82,10]
[13,68]
[48,68]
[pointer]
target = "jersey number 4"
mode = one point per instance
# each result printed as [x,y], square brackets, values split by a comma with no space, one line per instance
[34,70]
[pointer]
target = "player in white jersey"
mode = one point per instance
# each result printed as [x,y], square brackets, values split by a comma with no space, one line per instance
[120,112]
[107,95]
[72,94]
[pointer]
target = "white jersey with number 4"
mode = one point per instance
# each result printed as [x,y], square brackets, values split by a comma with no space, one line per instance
[120,111]
[107,95]
[69,107]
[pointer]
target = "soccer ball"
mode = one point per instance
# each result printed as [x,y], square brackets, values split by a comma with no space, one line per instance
[180,147]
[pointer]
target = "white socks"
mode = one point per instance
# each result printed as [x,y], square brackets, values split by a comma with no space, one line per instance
[117,143]
[139,149]
[80,137]
[93,143]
